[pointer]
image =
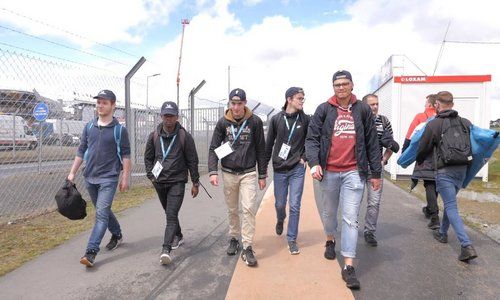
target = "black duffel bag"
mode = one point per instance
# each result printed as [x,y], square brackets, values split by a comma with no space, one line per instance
[70,202]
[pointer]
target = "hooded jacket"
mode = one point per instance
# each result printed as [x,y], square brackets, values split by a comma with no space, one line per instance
[431,137]
[249,148]
[181,158]
[277,134]
[319,137]
[102,162]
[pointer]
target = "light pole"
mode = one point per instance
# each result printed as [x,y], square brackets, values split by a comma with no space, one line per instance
[147,88]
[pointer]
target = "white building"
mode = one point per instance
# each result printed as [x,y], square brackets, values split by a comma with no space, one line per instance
[402,89]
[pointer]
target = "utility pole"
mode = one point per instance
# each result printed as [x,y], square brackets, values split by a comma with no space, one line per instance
[184,22]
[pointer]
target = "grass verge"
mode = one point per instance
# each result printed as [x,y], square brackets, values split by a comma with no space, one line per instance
[36,235]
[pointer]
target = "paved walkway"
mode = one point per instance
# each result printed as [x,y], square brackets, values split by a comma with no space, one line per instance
[407,264]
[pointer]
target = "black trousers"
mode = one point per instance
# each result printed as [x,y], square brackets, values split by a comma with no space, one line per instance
[431,196]
[171,196]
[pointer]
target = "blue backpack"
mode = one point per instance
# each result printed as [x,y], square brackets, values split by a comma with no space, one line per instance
[117,132]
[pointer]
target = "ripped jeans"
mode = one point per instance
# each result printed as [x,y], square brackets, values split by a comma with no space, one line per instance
[345,188]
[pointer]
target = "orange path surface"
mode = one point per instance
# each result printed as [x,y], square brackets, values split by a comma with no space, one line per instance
[280,275]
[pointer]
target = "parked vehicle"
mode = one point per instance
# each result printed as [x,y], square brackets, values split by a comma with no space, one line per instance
[15,133]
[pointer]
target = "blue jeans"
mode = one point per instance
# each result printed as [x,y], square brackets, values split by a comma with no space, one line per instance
[293,179]
[345,188]
[102,197]
[448,183]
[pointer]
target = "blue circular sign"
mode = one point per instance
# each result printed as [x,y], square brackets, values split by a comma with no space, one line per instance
[41,112]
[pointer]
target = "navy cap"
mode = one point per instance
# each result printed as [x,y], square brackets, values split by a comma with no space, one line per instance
[292,91]
[106,94]
[169,108]
[342,74]
[237,95]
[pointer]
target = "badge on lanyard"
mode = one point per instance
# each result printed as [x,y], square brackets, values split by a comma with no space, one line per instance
[159,165]
[226,148]
[285,147]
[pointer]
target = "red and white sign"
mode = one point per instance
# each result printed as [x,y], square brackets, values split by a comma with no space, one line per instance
[441,79]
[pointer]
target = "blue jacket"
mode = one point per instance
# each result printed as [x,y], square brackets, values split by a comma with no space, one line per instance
[102,160]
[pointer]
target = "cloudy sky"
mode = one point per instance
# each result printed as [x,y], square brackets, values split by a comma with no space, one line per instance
[269,45]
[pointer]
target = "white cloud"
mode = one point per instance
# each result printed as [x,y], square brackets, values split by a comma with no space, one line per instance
[251,2]
[101,21]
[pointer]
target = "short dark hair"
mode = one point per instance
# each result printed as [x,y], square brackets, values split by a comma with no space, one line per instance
[431,98]
[445,97]
[365,98]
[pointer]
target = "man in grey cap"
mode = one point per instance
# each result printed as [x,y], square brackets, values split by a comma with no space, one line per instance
[105,148]
[170,153]
[238,142]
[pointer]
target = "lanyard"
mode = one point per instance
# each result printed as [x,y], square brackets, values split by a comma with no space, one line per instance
[236,136]
[288,127]
[165,154]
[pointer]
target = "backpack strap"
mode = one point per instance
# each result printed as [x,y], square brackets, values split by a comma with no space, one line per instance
[117,132]
[90,124]
[385,121]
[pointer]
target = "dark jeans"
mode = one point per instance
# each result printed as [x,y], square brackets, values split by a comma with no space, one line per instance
[431,196]
[171,196]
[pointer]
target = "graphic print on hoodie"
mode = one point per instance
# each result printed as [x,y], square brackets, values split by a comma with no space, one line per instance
[342,157]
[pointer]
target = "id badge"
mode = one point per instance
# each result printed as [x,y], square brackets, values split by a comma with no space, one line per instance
[224,150]
[157,169]
[284,151]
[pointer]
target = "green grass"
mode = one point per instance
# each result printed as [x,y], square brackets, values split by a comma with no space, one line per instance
[36,235]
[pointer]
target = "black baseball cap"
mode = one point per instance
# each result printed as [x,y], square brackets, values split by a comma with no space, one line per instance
[292,91]
[237,95]
[169,108]
[342,74]
[106,94]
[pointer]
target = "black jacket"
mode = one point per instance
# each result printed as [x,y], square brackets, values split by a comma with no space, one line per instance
[431,137]
[182,156]
[249,149]
[319,138]
[277,134]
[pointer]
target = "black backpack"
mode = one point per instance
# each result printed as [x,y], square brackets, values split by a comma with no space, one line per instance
[455,146]
[70,202]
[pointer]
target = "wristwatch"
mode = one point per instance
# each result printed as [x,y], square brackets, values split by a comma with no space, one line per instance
[196,184]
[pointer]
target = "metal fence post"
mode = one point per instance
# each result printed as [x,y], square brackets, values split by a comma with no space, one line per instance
[128,115]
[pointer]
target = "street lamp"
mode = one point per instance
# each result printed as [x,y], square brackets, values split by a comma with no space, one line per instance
[147,88]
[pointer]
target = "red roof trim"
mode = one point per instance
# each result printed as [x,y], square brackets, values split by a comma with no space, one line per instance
[441,79]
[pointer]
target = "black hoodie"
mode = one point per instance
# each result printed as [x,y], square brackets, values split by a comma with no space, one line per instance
[249,149]
[181,158]
[278,134]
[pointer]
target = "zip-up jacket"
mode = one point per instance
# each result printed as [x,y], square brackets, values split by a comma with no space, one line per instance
[102,161]
[277,135]
[431,137]
[319,138]
[249,148]
[181,158]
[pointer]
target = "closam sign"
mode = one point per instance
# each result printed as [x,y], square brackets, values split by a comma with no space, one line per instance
[41,112]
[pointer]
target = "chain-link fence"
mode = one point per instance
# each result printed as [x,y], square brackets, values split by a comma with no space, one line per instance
[36,156]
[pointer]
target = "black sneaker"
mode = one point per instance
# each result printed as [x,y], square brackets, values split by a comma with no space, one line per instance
[370,239]
[349,276]
[248,257]
[434,223]
[89,258]
[279,227]
[468,253]
[234,246]
[426,212]
[165,257]
[176,242]
[114,242]
[442,238]
[330,250]
[293,248]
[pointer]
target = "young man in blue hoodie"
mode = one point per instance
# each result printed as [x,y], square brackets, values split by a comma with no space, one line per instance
[105,147]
